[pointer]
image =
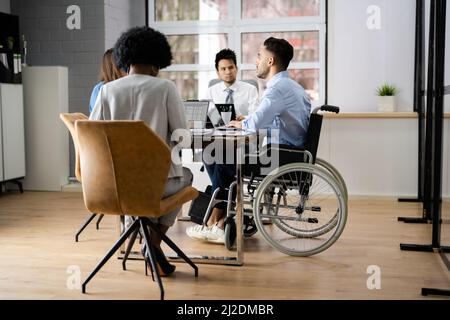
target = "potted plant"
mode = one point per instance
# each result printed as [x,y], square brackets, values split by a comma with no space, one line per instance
[386,98]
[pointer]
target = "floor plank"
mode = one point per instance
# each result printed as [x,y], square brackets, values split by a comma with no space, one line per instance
[37,250]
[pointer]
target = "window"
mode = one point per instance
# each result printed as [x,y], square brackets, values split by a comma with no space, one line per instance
[252,9]
[190,10]
[198,29]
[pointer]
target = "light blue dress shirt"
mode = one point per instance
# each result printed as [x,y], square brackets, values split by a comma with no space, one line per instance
[285,106]
[94,95]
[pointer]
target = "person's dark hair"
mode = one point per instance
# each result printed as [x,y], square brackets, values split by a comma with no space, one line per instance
[225,54]
[142,45]
[109,70]
[283,51]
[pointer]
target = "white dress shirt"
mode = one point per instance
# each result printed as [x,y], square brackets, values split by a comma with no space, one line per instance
[140,97]
[245,96]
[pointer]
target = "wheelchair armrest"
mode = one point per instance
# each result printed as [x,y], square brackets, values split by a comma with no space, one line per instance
[289,149]
[327,108]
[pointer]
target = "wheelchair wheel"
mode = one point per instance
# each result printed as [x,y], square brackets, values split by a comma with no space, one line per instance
[335,173]
[230,232]
[306,205]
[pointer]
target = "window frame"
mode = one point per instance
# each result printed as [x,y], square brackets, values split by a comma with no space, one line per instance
[235,26]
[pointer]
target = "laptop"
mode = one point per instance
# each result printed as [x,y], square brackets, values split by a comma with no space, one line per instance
[217,121]
[196,113]
[227,107]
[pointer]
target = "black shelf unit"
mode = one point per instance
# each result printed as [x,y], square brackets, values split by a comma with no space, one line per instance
[433,134]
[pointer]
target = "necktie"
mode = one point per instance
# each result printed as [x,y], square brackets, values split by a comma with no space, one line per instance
[229,98]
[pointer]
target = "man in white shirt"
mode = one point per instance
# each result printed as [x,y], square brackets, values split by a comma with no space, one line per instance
[243,95]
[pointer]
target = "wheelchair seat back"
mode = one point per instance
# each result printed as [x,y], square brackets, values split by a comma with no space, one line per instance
[289,154]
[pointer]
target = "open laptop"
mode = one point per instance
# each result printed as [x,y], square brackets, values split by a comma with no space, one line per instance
[217,121]
[227,107]
[196,113]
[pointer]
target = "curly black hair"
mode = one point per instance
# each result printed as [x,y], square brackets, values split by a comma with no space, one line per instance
[225,54]
[142,45]
[283,51]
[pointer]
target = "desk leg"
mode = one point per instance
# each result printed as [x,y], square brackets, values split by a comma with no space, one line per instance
[239,208]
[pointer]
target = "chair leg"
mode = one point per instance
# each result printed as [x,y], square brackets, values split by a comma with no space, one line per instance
[150,253]
[140,237]
[84,226]
[114,248]
[98,221]
[172,245]
[146,263]
[129,247]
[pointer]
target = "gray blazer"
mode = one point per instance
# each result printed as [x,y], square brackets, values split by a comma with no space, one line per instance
[156,101]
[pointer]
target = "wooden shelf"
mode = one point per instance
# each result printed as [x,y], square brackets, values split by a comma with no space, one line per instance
[376,115]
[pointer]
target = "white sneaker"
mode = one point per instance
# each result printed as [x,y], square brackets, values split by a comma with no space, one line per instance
[215,235]
[197,232]
[128,221]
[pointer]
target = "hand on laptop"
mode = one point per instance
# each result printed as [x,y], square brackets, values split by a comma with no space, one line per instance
[235,124]
[240,118]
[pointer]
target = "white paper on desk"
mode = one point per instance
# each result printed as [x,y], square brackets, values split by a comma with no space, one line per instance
[202,131]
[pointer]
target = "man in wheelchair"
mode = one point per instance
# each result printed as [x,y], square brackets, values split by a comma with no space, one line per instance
[285,108]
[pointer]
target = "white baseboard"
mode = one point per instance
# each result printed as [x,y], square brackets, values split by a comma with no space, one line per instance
[72,187]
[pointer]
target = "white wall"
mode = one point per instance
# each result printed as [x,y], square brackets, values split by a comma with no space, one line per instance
[361,59]
[121,15]
[380,160]
[5,6]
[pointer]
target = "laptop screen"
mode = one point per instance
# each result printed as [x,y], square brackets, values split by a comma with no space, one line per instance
[227,107]
[215,118]
[196,113]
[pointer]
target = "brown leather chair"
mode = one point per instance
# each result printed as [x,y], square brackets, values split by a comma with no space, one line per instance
[125,168]
[69,120]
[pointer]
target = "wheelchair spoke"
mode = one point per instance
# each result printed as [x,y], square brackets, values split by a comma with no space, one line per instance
[278,217]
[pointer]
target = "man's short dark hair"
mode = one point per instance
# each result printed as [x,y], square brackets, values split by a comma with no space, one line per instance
[283,51]
[225,54]
[142,45]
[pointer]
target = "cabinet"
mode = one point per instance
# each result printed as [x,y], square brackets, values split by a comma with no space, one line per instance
[12,136]
[46,95]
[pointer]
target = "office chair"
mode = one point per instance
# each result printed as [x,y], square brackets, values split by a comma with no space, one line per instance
[69,120]
[125,169]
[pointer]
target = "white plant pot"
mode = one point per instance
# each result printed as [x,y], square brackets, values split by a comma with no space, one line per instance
[387,104]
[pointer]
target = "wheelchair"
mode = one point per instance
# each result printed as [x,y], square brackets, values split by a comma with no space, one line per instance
[300,208]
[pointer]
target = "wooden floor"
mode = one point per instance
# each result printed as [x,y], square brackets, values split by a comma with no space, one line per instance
[38,254]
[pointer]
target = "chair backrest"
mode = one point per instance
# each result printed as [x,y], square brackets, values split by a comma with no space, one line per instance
[313,134]
[125,166]
[69,120]
[315,127]
[250,81]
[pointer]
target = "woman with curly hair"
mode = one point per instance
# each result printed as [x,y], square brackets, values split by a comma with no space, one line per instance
[142,52]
